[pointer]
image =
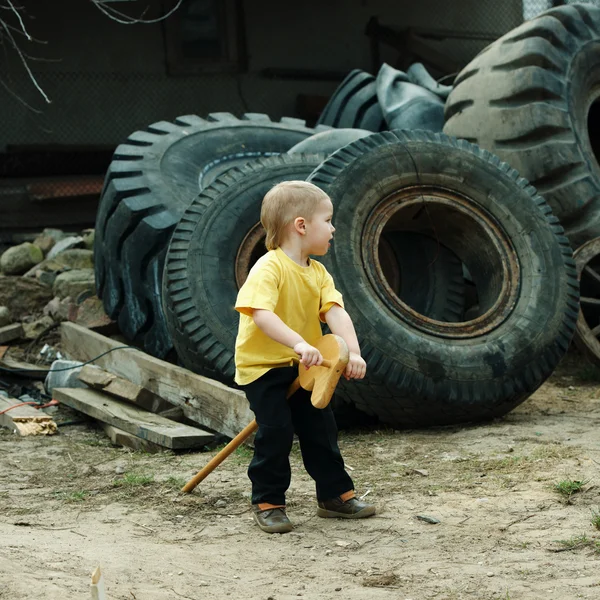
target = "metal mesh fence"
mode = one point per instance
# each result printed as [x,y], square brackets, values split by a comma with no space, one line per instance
[95,109]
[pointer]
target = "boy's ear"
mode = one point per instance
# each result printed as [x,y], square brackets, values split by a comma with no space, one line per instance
[300,225]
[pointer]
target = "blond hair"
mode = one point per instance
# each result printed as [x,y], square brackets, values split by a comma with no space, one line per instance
[285,202]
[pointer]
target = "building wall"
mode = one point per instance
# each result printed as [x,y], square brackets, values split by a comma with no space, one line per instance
[107,79]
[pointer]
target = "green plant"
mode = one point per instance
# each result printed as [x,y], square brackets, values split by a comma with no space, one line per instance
[133,480]
[568,487]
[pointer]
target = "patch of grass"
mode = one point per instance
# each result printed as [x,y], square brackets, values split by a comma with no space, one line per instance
[76,496]
[553,452]
[175,482]
[595,520]
[580,541]
[97,442]
[242,453]
[133,480]
[568,487]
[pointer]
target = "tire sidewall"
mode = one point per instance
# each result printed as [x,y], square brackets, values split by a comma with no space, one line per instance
[359,188]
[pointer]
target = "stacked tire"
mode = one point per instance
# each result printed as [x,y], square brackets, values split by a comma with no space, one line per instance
[422,370]
[152,179]
[457,272]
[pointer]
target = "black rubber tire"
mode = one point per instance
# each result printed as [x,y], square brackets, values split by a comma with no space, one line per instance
[354,104]
[327,142]
[199,285]
[417,73]
[152,179]
[406,105]
[431,276]
[527,98]
[418,378]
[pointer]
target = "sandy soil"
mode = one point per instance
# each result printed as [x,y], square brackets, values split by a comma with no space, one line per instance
[73,502]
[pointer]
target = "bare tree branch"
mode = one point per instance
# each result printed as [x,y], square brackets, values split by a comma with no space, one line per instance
[24,61]
[17,97]
[111,13]
[12,7]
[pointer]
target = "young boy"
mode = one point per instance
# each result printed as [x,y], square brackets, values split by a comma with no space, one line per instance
[281,302]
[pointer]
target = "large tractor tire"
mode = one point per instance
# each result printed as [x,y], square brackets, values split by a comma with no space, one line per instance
[216,242]
[533,98]
[152,179]
[354,104]
[420,371]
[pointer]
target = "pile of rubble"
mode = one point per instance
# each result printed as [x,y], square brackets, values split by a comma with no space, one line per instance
[46,281]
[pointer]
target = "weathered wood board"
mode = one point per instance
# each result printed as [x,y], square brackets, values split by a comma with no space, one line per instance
[204,400]
[133,419]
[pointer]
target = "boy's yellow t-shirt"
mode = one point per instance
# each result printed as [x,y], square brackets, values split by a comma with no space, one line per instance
[299,296]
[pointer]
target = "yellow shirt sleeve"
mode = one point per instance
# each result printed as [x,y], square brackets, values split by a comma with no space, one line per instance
[329,295]
[260,290]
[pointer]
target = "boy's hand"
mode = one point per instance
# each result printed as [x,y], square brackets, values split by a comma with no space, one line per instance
[356,367]
[309,355]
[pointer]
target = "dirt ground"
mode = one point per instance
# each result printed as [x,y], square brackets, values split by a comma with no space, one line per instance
[72,502]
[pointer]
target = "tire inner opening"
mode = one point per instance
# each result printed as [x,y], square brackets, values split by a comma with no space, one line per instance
[451,228]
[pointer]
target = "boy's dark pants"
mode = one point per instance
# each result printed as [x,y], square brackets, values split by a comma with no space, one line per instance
[277,420]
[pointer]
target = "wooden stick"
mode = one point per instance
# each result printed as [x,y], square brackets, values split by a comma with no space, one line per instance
[237,441]
[97,586]
[233,445]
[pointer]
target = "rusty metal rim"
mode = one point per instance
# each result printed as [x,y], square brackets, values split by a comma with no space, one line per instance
[253,238]
[585,336]
[392,270]
[412,195]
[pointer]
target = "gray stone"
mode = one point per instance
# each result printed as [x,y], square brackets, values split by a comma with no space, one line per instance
[5,316]
[65,244]
[18,259]
[58,309]
[73,283]
[33,329]
[44,242]
[88,238]
[55,234]
[46,277]
[23,295]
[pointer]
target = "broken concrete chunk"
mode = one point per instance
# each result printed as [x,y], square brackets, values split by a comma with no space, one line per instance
[18,259]
[35,328]
[5,316]
[74,258]
[88,238]
[65,244]
[44,242]
[58,309]
[72,283]
[90,313]
[23,296]
[46,277]
[55,234]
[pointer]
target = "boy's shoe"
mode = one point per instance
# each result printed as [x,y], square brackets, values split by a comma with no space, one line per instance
[348,509]
[272,520]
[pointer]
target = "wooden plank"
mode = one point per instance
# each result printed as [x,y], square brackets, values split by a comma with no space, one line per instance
[204,400]
[8,333]
[24,369]
[25,420]
[116,386]
[97,587]
[132,419]
[121,438]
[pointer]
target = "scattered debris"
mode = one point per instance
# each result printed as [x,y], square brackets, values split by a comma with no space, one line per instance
[430,520]
[23,419]
[9,333]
